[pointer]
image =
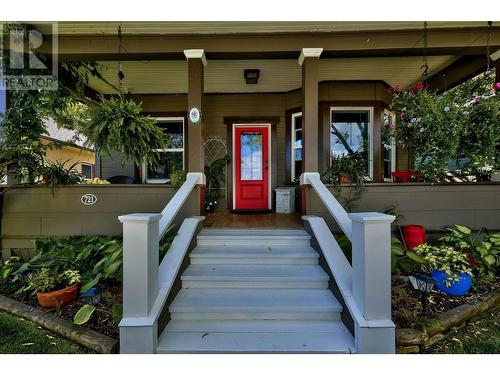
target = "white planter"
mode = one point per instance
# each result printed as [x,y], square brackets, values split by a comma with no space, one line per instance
[285,199]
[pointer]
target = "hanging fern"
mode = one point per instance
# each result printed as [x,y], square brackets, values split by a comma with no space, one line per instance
[117,124]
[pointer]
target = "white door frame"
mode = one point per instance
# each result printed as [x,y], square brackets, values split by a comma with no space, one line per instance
[233,156]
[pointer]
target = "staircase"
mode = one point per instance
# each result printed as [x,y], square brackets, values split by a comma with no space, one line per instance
[254,291]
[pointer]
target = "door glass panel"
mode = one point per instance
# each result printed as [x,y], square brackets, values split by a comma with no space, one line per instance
[251,156]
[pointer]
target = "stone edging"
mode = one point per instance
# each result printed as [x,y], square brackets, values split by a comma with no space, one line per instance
[410,340]
[83,336]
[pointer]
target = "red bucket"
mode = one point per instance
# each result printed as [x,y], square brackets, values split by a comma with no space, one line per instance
[413,235]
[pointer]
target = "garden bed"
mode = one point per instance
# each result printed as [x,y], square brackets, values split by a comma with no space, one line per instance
[102,321]
[407,306]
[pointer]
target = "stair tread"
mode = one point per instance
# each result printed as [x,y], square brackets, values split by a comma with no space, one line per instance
[268,342]
[253,233]
[254,272]
[253,251]
[286,300]
[254,326]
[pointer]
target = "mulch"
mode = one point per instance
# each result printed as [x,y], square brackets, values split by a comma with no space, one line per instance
[407,307]
[102,320]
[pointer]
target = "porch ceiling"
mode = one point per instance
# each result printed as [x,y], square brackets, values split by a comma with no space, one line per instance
[226,76]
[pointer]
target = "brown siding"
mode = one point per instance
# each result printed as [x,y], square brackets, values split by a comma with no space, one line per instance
[433,206]
[33,212]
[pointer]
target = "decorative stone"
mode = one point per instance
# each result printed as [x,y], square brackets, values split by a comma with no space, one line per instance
[408,349]
[410,336]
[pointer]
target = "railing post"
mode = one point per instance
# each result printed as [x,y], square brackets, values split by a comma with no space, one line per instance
[140,282]
[371,281]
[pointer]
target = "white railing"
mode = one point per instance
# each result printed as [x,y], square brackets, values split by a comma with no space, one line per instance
[146,285]
[366,286]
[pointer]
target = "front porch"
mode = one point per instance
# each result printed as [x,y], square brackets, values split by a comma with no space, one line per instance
[280,277]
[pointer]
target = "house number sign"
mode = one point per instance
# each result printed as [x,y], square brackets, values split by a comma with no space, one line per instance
[194,115]
[88,199]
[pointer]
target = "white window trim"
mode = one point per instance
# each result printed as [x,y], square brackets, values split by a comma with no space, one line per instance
[92,170]
[370,132]
[292,146]
[392,147]
[144,169]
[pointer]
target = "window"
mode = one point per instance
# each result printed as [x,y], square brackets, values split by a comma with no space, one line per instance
[87,171]
[389,148]
[351,132]
[296,149]
[172,158]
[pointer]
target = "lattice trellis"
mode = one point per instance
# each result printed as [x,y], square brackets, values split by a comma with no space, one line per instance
[215,149]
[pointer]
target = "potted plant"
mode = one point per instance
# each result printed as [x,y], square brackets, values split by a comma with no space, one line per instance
[450,267]
[347,169]
[52,289]
[215,175]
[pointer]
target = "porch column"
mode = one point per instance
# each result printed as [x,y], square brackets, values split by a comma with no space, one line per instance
[196,132]
[309,60]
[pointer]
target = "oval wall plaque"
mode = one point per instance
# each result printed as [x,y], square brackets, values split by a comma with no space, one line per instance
[88,199]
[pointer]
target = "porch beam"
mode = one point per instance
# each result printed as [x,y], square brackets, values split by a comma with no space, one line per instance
[196,61]
[379,43]
[309,60]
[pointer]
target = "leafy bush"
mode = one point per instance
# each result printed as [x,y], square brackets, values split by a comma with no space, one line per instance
[444,258]
[403,260]
[483,251]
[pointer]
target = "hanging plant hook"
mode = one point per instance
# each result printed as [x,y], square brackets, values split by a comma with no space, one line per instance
[121,75]
[488,37]
[425,65]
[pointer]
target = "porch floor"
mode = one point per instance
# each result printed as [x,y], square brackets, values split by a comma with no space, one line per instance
[225,219]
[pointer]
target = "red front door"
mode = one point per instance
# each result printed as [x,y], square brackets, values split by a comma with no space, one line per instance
[251,168]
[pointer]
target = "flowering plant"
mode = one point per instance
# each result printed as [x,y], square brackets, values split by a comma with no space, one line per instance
[460,125]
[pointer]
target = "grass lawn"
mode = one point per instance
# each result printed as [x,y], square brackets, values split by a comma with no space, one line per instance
[19,336]
[481,335]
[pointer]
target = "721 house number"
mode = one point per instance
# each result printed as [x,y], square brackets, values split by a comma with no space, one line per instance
[88,199]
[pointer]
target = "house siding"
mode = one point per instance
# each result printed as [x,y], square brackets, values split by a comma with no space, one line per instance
[434,206]
[218,106]
[33,212]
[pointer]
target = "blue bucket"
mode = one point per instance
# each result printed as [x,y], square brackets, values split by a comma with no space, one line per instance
[459,288]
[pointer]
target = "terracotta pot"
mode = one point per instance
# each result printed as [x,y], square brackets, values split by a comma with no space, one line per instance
[58,297]
[344,178]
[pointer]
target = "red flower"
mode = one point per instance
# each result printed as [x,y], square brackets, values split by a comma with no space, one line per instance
[417,86]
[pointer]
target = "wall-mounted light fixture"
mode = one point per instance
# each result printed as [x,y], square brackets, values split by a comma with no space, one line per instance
[251,76]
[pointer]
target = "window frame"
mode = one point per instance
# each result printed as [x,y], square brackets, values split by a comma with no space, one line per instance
[144,168]
[292,145]
[391,146]
[371,111]
[92,170]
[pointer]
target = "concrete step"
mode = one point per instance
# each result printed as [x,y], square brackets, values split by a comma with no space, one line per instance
[254,276]
[253,237]
[255,342]
[254,304]
[257,255]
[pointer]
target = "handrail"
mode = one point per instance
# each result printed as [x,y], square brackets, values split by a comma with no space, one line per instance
[334,207]
[177,201]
